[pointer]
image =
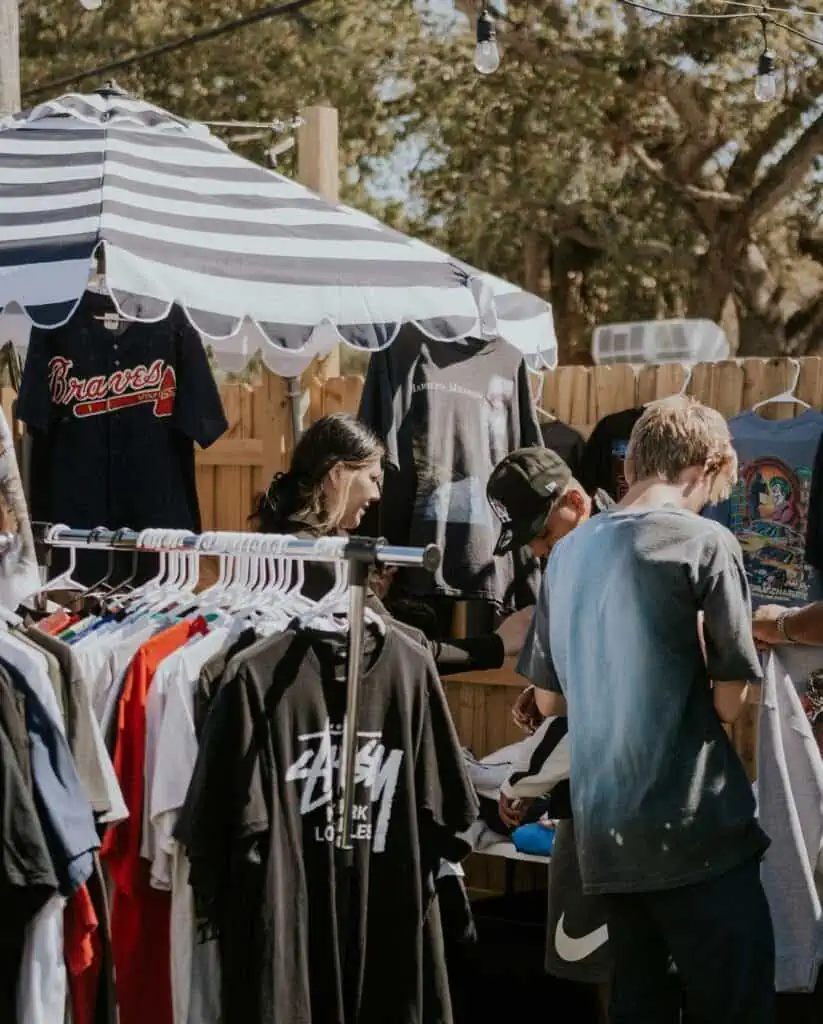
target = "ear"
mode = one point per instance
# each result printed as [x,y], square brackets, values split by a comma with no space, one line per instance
[575,500]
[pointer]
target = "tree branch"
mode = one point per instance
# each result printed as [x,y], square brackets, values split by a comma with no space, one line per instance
[743,170]
[719,199]
[785,176]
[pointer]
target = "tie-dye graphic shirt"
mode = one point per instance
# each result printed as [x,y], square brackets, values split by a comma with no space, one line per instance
[659,796]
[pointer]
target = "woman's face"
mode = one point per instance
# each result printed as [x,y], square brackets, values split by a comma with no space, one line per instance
[358,487]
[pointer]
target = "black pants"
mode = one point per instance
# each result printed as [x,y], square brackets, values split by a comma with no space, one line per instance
[719,934]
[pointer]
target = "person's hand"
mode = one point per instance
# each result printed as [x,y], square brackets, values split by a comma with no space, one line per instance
[764,624]
[511,811]
[513,630]
[525,712]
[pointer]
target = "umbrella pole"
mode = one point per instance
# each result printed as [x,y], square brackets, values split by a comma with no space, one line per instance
[294,403]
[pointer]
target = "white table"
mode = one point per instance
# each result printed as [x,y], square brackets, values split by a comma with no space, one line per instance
[509,852]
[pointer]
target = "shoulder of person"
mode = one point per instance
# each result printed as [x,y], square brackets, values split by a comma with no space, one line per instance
[713,543]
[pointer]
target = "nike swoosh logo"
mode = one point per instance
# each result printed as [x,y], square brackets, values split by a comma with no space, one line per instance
[574,950]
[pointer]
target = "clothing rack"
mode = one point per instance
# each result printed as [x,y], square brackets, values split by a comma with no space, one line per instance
[362,553]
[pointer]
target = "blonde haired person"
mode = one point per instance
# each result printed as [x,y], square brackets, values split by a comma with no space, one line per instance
[664,813]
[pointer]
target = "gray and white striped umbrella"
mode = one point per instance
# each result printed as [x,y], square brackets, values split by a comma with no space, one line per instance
[254,259]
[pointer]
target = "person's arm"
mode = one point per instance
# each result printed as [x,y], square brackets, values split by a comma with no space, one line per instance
[540,762]
[550,703]
[481,653]
[729,700]
[475,654]
[731,656]
[799,625]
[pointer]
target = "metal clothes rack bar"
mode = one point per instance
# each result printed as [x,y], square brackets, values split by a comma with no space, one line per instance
[362,553]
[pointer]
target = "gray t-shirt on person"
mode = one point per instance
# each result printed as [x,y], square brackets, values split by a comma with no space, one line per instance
[659,796]
[533,658]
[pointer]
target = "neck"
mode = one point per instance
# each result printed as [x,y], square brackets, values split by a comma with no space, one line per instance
[654,494]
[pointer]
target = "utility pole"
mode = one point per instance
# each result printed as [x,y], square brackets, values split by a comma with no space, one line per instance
[9,56]
[10,101]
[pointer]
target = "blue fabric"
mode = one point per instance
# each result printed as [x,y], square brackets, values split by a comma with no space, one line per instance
[768,510]
[62,805]
[535,839]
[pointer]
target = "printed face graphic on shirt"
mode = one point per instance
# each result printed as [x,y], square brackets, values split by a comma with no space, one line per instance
[154,385]
[377,772]
[769,507]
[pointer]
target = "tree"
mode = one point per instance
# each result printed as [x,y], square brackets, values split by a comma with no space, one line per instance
[616,163]
[631,152]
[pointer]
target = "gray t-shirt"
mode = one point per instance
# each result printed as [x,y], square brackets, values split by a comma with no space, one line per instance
[659,796]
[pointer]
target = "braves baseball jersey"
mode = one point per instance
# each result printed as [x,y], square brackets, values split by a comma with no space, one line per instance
[114,415]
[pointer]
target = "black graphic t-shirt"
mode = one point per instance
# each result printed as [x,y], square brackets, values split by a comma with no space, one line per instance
[448,412]
[565,441]
[304,938]
[603,457]
[114,417]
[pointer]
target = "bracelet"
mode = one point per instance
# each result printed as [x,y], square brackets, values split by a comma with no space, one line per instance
[781,628]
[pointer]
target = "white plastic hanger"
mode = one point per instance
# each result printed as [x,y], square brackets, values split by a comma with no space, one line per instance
[205,544]
[65,580]
[336,603]
[541,376]
[786,396]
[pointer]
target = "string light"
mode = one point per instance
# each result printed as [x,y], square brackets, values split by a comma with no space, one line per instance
[765,85]
[766,81]
[91,5]
[486,53]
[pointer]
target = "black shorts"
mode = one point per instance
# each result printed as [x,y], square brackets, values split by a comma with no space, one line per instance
[578,940]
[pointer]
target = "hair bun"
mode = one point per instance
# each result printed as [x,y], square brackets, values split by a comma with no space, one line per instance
[282,489]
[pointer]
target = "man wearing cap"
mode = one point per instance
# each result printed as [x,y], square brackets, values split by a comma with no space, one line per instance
[538,501]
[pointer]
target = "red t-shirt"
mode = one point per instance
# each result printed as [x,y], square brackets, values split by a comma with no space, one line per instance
[140,916]
[82,948]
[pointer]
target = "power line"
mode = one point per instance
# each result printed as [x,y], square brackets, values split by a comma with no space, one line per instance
[264,14]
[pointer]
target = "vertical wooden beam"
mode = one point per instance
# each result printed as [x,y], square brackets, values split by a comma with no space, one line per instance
[318,160]
[318,168]
[9,57]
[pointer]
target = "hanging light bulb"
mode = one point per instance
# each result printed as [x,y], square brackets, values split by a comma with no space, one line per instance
[91,5]
[486,54]
[765,86]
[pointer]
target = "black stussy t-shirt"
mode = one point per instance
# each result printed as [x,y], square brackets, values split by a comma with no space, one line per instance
[259,825]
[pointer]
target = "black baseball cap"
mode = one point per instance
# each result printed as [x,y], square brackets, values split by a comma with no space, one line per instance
[523,489]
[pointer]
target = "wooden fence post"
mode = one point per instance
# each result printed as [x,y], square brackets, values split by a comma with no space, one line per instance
[318,169]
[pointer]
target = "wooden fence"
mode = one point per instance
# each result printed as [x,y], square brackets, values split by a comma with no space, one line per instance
[259,438]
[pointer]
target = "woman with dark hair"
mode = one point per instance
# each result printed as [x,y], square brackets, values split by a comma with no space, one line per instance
[335,474]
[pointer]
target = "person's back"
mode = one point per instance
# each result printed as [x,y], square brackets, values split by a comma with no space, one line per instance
[663,811]
[660,797]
